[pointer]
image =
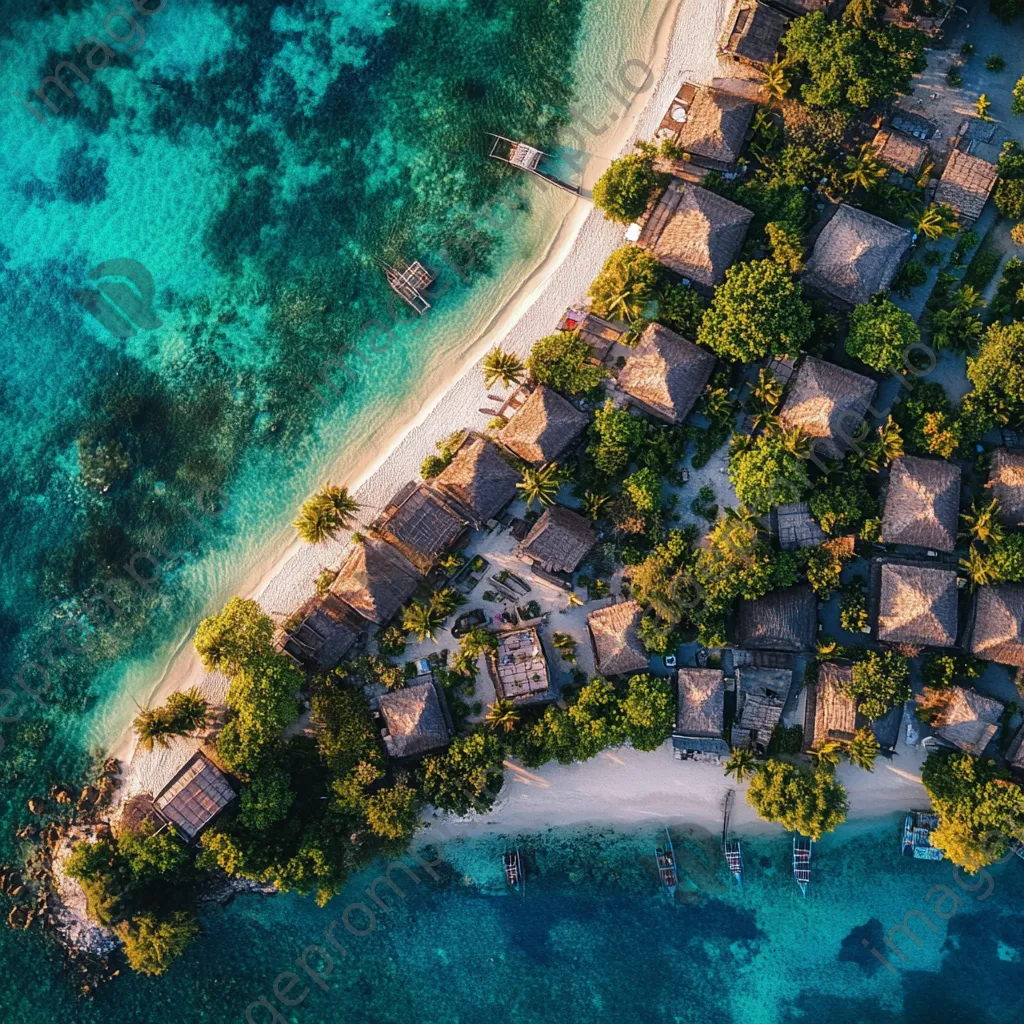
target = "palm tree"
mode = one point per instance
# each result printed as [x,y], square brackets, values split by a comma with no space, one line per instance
[797,443]
[827,753]
[775,82]
[503,714]
[741,764]
[982,523]
[868,457]
[982,107]
[937,221]
[575,601]
[863,170]
[446,601]
[980,570]
[541,485]
[322,516]
[499,365]
[863,749]
[423,619]
[341,504]
[594,504]
[890,438]
[740,443]
[768,389]
[189,710]
[151,727]
[478,641]
[566,646]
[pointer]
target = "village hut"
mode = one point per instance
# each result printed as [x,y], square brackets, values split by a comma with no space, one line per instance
[922,506]
[696,233]
[479,482]
[998,631]
[857,255]
[666,374]
[828,404]
[1006,481]
[716,127]
[761,695]
[1015,752]
[965,185]
[967,719]
[421,524]
[519,669]
[615,638]
[544,428]
[196,795]
[830,714]
[416,719]
[917,605]
[700,715]
[903,153]
[325,630]
[784,620]
[375,580]
[752,34]
[559,540]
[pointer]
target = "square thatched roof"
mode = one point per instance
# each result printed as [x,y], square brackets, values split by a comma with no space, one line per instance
[698,233]
[544,428]
[559,540]
[834,713]
[700,708]
[327,630]
[968,719]
[614,632]
[965,185]
[899,151]
[784,620]
[1006,480]
[998,632]
[416,719]
[479,481]
[752,33]
[422,526]
[716,126]
[1015,752]
[666,374]
[829,404]
[856,255]
[375,580]
[922,506]
[195,796]
[917,605]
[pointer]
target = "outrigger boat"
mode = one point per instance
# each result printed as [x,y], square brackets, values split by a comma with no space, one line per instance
[514,868]
[734,858]
[917,828]
[802,862]
[665,857]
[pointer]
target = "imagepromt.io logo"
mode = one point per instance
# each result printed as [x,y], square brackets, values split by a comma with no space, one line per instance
[121,309]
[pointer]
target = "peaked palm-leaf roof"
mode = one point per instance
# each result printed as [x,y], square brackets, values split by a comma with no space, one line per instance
[998,633]
[716,125]
[478,480]
[968,719]
[922,505]
[559,540]
[1006,481]
[616,637]
[784,620]
[416,720]
[544,428]
[918,605]
[375,580]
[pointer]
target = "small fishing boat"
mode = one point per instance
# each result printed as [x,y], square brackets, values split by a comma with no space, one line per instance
[665,856]
[734,858]
[514,868]
[917,830]
[802,862]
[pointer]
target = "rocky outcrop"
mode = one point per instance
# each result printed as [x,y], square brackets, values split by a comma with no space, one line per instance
[36,804]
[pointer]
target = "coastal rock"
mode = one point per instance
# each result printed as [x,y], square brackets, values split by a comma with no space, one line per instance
[20,917]
[89,797]
[62,794]
[27,832]
[112,765]
[36,804]
[224,890]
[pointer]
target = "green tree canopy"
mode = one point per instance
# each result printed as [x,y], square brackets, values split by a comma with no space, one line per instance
[467,776]
[841,502]
[648,711]
[881,335]
[769,473]
[809,802]
[880,682]
[624,190]
[240,634]
[628,284]
[153,943]
[393,813]
[618,437]
[997,371]
[562,362]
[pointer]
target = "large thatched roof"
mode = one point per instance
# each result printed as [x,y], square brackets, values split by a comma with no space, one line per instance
[834,713]
[666,374]
[900,151]
[829,404]
[422,526]
[327,630]
[479,481]
[1006,479]
[716,126]
[968,719]
[917,605]
[375,580]
[998,633]
[615,634]
[544,428]
[559,540]
[965,185]
[923,504]
[856,255]
[784,620]
[195,796]
[416,721]
[698,233]
[1015,752]
[752,33]
[700,709]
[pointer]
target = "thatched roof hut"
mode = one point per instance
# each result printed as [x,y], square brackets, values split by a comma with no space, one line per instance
[327,630]
[559,540]
[666,374]
[761,695]
[478,482]
[752,34]
[195,796]
[700,712]
[1015,752]
[922,506]
[965,185]
[1006,481]
[716,127]
[375,580]
[422,526]
[416,719]
[615,636]
[829,404]
[967,719]
[830,714]
[784,620]
[544,428]
[696,233]
[998,632]
[856,255]
[900,151]
[917,605]
[519,669]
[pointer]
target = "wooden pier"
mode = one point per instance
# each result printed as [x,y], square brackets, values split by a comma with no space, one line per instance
[526,158]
